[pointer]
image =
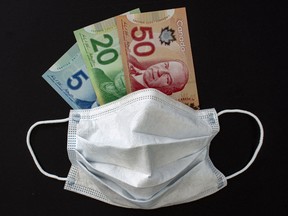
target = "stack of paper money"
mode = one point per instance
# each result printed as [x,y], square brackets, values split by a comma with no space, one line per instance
[127,53]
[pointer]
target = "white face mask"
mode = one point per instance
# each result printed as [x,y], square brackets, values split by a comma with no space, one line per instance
[144,150]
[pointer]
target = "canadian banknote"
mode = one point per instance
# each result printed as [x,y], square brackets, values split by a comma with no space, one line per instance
[100,49]
[156,53]
[69,77]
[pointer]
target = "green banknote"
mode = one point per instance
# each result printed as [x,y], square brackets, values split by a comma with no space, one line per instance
[100,49]
[69,77]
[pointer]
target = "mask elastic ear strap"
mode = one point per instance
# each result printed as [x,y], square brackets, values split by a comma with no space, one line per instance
[32,152]
[260,139]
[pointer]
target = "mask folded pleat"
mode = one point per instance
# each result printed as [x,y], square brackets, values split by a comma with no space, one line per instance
[115,177]
[143,159]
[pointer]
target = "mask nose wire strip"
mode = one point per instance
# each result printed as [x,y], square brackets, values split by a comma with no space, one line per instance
[260,139]
[32,152]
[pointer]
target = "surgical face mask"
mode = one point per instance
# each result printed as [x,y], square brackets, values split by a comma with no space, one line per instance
[145,150]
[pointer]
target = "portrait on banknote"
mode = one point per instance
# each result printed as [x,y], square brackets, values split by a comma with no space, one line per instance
[168,76]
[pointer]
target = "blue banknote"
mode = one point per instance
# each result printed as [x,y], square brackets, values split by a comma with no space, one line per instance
[69,77]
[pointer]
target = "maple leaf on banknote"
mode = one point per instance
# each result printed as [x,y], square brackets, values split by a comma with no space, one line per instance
[167,36]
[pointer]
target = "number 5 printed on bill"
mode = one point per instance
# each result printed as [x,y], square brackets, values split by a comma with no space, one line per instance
[69,77]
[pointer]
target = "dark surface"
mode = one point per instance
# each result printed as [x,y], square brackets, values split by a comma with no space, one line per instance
[240,56]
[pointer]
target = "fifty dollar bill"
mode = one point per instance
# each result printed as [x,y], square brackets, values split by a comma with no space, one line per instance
[156,53]
[100,49]
[68,76]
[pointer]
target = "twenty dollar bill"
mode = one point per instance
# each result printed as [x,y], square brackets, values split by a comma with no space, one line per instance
[68,76]
[100,49]
[156,53]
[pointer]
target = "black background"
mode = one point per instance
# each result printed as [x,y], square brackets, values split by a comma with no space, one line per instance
[240,57]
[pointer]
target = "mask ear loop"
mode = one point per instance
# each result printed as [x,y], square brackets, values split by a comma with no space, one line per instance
[32,152]
[260,139]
